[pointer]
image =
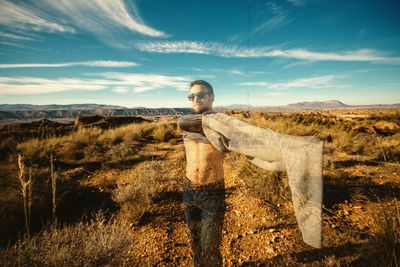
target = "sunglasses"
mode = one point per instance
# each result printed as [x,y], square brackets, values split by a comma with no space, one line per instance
[199,96]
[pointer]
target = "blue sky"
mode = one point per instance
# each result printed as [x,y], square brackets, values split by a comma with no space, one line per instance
[145,52]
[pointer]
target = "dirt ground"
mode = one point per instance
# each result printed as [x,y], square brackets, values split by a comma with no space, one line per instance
[359,193]
[258,234]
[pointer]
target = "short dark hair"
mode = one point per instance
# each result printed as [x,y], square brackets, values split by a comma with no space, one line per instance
[204,83]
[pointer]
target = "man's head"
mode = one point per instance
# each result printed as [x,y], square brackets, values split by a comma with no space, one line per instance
[201,94]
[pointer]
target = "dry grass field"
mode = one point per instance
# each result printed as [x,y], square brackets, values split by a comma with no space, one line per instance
[112,197]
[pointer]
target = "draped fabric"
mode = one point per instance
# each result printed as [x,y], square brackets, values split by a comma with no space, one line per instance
[300,157]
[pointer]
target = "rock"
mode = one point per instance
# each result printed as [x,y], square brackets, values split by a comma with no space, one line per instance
[270,250]
[275,239]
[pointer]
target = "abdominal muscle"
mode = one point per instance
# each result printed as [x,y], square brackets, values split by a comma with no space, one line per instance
[204,163]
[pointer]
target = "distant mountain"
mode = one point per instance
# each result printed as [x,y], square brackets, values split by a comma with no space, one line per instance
[88,106]
[74,113]
[330,104]
[26,111]
[235,106]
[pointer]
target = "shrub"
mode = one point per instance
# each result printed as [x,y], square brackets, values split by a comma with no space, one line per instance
[35,149]
[271,186]
[164,132]
[85,244]
[136,195]
[384,248]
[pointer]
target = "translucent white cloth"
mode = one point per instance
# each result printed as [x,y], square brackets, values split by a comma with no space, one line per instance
[300,157]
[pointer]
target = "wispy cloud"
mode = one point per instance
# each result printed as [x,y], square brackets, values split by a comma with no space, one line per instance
[121,90]
[27,17]
[297,2]
[14,36]
[146,82]
[362,33]
[94,63]
[236,72]
[218,49]
[279,18]
[327,81]
[103,18]
[115,81]
[32,85]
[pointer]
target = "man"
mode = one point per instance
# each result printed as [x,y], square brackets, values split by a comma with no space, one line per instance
[207,136]
[204,190]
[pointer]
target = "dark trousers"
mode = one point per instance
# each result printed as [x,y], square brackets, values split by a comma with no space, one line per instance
[204,211]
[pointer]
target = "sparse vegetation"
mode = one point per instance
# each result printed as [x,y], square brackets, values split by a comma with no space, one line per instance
[271,186]
[25,192]
[138,169]
[94,243]
[384,247]
[136,194]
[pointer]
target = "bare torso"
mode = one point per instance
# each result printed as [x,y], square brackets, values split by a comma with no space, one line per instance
[204,163]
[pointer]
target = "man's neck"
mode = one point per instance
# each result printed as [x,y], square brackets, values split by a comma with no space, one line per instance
[201,111]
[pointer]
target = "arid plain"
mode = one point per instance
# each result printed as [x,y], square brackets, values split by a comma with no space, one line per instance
[102,193]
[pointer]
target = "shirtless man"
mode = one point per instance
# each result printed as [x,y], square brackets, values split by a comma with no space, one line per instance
[204,191]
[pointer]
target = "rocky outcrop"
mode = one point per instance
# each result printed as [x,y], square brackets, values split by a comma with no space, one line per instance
[58,114]
[106,122]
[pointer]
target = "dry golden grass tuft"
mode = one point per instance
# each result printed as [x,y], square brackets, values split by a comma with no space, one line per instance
[164,132]
[384,247]
[97,242]
[352,136]
[271,186]
[135,195]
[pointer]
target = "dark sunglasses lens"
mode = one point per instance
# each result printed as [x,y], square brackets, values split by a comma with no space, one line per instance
[199,96]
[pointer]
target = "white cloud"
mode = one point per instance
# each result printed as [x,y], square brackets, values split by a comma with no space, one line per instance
[31,85]
[14,36]
[238,72]
[103,18]
[94,63]
[278,94]
[296,2]
[147,82]
[23,17]
[121,90]
[118,82]
[362,33]
[231,51]
[19,45]
[279,18]
[327,81]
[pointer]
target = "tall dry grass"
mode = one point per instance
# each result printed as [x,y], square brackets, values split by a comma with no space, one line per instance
[25,192]
[135,196]
[53,176]
[384,247]
[97,144]
[164,132]
[272,187]
[352,137]
[94,243]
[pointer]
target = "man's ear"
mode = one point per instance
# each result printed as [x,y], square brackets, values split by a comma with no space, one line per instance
[212,98]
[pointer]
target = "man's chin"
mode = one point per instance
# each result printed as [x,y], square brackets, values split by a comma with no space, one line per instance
[200,110]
